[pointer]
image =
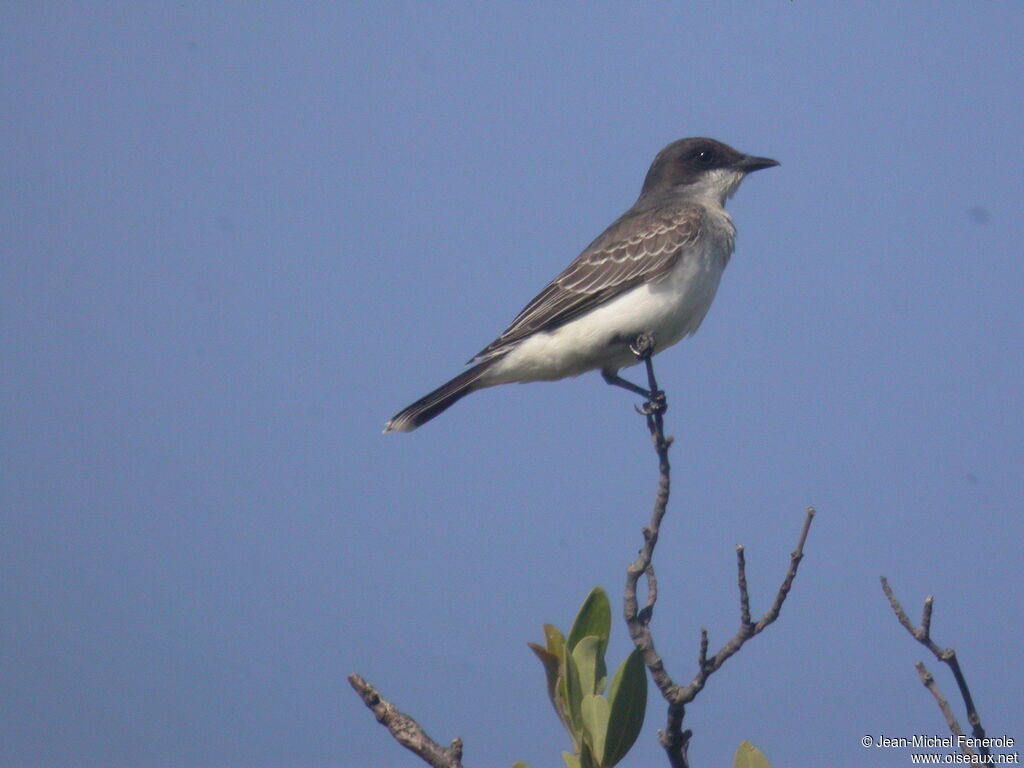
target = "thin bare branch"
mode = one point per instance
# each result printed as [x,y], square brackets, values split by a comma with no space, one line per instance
[672,739]
[948,657]
[787,583]
[747,629]
[932,686]
[407,731]
[926,616]
[741,579]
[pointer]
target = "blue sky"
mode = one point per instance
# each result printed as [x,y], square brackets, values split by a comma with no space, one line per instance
[236,239]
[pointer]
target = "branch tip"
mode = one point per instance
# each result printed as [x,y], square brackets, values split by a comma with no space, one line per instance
[405,730]
[947,656]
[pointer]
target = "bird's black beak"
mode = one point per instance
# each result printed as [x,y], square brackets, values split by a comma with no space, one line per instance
[749,163]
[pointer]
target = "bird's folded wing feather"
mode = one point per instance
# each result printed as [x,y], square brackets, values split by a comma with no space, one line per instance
[640,247]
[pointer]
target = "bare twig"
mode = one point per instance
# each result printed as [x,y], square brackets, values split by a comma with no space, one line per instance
[748,628]
[947,712]
[674,740]
[948,657]
[407,731]
[741,580]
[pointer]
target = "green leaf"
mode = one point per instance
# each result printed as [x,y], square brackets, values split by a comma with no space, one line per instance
[588,663]
[551,664]
[594,618]
[595,712]
[749,756]
[589,657]
[562,708]
[553,659]
[556,646]
[574,699]
[587,759]
[547,658]
[628,700]
[554,638]
[571,761]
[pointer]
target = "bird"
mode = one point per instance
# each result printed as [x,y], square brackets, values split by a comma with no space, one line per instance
[653,272]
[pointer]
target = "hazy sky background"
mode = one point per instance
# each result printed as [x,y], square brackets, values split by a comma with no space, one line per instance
[236,238]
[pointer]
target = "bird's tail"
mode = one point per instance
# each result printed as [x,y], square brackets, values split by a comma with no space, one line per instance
[442,398]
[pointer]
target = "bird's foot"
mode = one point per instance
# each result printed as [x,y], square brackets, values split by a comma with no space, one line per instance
[643,346]
[656,403]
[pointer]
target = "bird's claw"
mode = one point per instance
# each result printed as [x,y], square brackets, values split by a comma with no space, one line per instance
[643,346]
[656,403]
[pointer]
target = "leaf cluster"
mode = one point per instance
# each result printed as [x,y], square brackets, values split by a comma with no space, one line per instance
[602,728]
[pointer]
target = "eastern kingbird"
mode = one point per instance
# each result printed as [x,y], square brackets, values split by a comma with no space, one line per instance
[654,271]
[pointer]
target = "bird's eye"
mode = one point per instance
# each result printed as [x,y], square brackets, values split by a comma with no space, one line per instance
[705,157]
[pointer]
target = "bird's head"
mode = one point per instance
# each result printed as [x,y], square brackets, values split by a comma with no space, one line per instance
[702,168]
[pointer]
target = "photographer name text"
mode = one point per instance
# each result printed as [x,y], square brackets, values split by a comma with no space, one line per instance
[948,742]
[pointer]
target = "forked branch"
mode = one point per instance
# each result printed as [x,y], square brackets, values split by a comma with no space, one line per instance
[673,738]
[923,635]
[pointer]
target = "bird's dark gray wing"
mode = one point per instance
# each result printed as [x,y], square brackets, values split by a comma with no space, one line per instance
[639,247]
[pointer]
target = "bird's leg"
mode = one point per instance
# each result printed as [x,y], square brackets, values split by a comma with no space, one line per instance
[643,348]
[617,381]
